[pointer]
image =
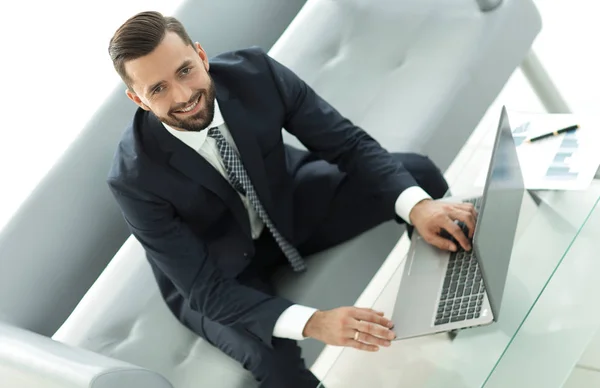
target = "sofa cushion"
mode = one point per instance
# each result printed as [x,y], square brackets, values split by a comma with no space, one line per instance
[124,316]
[418,75]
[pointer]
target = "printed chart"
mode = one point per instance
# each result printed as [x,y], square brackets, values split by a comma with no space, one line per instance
[565,162]
[568,161]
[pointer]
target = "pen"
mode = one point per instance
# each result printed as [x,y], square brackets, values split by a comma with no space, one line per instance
[555,133]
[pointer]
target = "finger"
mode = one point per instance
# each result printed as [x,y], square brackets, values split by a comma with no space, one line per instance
[473,211]
[376,312]
[369,339]
[361,346]
[369,316]
[465,206]
[440,242]
[373,329]
[467,218]
[458,234]
[469,208]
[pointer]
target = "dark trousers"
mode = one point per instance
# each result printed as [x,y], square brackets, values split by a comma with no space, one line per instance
[283,365]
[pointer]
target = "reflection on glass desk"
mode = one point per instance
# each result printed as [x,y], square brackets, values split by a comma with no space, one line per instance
[562,323]
[549,225]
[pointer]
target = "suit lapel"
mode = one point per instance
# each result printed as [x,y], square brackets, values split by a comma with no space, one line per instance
[190,163]
[243,126]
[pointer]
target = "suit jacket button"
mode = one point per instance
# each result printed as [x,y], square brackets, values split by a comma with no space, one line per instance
[245,254]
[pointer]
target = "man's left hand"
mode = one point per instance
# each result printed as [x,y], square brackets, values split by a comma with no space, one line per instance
[430,217]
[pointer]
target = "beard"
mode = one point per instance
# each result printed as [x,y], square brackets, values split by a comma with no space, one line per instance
[200,120]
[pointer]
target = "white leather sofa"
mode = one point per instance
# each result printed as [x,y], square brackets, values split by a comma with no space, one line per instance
[416,74]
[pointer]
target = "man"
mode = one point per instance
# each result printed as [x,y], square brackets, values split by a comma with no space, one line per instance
[216,198]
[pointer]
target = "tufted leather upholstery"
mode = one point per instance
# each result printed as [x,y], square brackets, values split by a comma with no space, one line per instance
[416,74]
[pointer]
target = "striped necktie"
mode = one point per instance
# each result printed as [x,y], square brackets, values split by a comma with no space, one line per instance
[238,176]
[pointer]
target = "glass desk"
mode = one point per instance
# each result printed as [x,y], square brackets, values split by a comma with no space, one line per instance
[552,251]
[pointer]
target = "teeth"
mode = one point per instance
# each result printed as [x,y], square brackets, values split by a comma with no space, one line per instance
[190,107]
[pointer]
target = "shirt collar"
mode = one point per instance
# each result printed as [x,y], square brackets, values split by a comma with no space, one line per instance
[196,139]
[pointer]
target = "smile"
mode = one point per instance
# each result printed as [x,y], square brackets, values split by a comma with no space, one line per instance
[190,108]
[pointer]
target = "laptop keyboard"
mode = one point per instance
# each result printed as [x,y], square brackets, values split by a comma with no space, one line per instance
[463,290]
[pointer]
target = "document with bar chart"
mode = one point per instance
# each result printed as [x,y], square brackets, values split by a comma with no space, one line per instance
[565,162]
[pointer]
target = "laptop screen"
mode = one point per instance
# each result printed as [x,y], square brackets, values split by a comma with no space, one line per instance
[499,214]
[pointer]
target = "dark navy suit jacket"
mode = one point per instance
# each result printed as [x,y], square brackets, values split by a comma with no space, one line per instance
[192,223]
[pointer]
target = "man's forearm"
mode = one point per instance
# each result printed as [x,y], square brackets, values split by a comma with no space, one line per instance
[331,136]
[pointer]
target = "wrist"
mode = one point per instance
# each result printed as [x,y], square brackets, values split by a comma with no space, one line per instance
[414,213]
[311,324]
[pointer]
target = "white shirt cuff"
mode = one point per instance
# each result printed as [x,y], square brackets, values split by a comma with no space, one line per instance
[407,200]
[292,321]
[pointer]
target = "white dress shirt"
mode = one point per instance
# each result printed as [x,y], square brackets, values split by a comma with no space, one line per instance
[207,148]
[292,321]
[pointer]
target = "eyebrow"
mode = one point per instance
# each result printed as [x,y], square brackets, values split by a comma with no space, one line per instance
[183,66]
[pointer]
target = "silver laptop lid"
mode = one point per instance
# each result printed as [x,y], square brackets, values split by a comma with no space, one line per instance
[499,213]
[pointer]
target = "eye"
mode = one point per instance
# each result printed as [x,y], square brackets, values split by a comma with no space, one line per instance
[157,90]
[186,71]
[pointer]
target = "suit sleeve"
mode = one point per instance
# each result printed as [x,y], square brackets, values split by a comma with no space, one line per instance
[184,259]
[324,131]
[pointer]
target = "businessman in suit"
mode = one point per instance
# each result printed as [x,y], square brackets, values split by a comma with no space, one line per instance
[218,201]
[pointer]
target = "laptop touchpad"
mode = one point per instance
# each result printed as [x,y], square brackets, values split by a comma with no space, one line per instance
[426,258]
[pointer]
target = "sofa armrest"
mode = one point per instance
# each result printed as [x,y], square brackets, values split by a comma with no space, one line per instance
[29,360]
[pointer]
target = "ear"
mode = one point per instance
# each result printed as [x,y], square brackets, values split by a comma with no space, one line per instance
[135,98]
[202,55]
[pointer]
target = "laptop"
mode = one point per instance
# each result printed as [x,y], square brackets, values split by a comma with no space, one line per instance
[443,291]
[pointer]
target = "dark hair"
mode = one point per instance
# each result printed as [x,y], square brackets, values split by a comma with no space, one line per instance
[139,36]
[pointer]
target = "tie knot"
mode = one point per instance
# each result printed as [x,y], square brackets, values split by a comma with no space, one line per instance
[215,133]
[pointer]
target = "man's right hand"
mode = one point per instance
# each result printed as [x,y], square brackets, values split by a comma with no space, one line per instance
[339,327]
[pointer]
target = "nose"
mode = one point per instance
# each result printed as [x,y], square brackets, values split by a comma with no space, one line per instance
[181,93]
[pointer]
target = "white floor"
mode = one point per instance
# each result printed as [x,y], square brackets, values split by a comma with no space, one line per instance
[587,372]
